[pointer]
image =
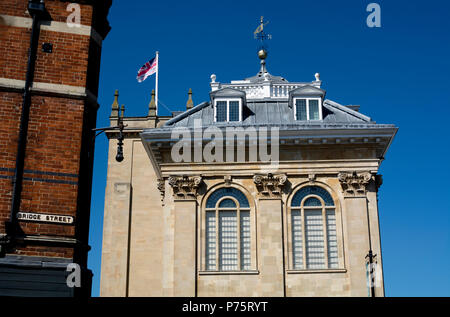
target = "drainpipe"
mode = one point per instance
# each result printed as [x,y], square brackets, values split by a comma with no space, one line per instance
[36,8]
[370,256]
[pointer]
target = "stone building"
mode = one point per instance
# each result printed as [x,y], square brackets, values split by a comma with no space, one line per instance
[299,221]
[49,73]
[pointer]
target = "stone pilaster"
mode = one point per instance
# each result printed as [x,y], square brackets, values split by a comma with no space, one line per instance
[185,271]
[185,228]
[372,197]
[354,187]
[270,241]
[117,224]
[115,241]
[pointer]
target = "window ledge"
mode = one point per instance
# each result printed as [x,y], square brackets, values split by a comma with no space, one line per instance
[316,271]
[251,272]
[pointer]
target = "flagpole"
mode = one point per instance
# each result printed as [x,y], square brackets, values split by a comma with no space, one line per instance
[156,81]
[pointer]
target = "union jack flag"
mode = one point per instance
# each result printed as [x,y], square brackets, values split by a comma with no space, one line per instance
[147,69]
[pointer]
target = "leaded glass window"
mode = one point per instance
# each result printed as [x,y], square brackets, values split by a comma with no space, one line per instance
[228,255]
[210,239]
[307,109]
[313,229]
[312,190]
[234,111]
[227,230]
[301,109]
[332,239]
[221,111]
[245,240]
[314,242]
[297,239]
[227,191]
[313,109]
[227,203]
[312,201]
[228,110]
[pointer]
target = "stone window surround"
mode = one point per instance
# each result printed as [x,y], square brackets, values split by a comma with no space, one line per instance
[288,230]
[238,209]
[202,233]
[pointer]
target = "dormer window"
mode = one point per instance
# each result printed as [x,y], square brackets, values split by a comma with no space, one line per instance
[227,110]
[306,102]
[306,109]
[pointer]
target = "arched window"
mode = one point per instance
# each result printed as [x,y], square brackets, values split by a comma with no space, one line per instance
[227,226]
[313,229]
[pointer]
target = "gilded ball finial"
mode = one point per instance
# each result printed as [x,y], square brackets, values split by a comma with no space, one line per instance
[262,54]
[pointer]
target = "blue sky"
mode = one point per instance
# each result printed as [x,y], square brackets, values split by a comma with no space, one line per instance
[398,73]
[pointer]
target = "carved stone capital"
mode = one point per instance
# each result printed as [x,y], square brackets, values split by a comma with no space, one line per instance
[354,184]
[185,187]
[270,185]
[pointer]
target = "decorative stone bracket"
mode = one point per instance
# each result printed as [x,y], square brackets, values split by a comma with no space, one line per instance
[185,187]
[354,184]
[270,185]
[227,180]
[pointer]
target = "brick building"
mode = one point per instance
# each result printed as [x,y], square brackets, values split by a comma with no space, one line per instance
[49,73]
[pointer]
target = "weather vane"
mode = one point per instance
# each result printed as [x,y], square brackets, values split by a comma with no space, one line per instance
[260,34]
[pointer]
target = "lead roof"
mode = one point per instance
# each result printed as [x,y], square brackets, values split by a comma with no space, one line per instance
[269,113]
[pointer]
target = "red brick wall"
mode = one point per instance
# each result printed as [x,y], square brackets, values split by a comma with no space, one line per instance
[13,52]
[57,134]
[9,131]
[11,103]
[53,148]
[66,65]
[56,8]
[45,251]
[54,134]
